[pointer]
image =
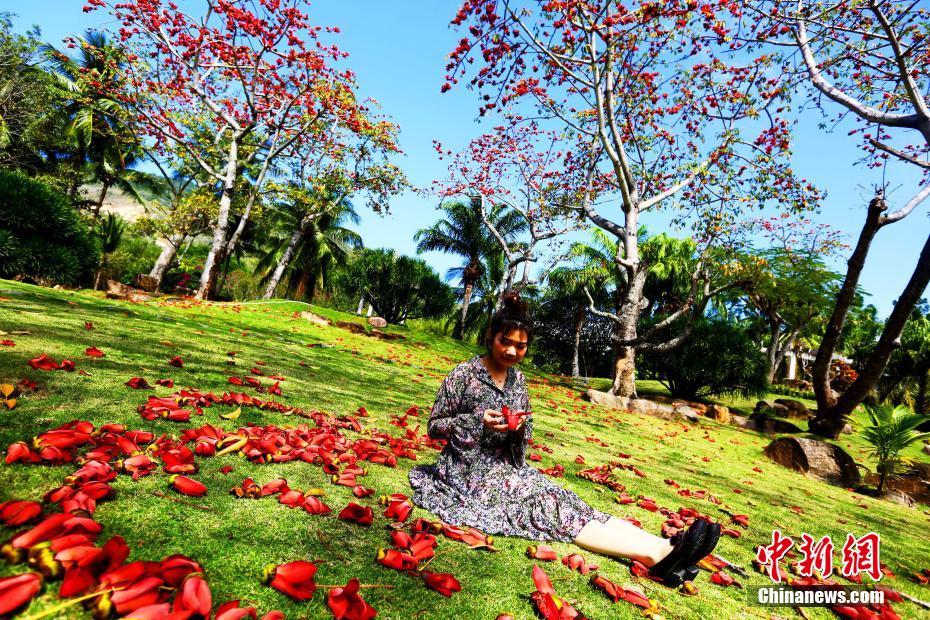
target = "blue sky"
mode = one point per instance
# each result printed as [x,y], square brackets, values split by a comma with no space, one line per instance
[398,50]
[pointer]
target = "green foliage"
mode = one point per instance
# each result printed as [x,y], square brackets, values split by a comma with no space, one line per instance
[892,429]
[133,256]
[719,358]
[784,390]
[398,287]
[41,236]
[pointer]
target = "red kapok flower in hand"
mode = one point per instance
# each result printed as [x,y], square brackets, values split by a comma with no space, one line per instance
[188,486]
[359,514]
[18,590]
[176,361]
[444,583]
[346,604]
[513,418]
[294,579]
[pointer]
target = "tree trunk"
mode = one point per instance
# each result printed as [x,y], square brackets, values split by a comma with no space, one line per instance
[772,353]
[830,421]
[361,305]
[831,336]
[783,352]
[624,382]
[284,262]
[580,315]
[169,249]
[466,300]
[211,267]
[99,204]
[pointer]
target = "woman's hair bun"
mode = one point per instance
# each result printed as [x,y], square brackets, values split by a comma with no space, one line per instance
[514,304]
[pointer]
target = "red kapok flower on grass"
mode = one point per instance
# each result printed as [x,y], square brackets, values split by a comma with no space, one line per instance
[139,465]
[422,545]
[188,486]
[67,366]
[617,592]
[176,361]
[399,511]
[550,606]
[444,583]
[396,559]
[346,604]
[43,362]
[541,552]
[577,562]
[362,515]
[722,579]
[19,512]
[142,593]
[175,569]
[360,491]
[7,343]
[20,452]
[94,352]
[294,579]
[230,610]
[315,506]
[18,590]
[194,598]
[168,383]
[138,383]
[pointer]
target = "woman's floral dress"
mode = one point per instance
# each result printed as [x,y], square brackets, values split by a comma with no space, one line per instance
[481,478]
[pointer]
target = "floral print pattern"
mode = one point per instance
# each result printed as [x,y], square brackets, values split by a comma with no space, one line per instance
[481,478]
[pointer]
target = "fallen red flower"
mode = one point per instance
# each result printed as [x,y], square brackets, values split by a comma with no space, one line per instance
[18,590]
[396,559]
[723,579]
[362,515]
[577,562]
[43,362]
[94,352]
[360,491]
[346,604]
[138,383]
[541,552]
[294,579]
[231,611]
[314,506]
[194,598]
[188,486]
[444,583]
[168,383]
[142,593]
[16,513]
[617,592]
[176,361]
[20,452]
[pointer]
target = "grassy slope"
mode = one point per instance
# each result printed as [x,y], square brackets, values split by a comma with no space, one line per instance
[238,538]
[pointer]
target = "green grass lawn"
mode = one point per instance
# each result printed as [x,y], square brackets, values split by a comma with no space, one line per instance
[235,539]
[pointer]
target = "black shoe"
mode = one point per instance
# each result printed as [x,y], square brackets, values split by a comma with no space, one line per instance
[710,541]
[685,553]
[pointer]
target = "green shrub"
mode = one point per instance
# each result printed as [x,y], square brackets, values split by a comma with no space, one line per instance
[41,236]
[784,390]
[718,358]
[133,256]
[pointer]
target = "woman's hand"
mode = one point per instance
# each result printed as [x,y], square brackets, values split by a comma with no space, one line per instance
[496,421]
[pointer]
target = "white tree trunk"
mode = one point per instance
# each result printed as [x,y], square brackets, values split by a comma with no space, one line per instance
[169,249]
[283,263]
[211,267]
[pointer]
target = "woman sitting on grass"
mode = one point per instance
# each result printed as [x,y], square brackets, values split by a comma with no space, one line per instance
[482,480]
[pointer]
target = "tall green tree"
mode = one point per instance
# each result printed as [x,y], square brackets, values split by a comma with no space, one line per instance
[103,145]
[322,244]
[463,232]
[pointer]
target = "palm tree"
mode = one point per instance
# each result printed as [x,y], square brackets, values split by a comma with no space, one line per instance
[110,232]
[464,233]
[103,147]
[308,246]
[892,429]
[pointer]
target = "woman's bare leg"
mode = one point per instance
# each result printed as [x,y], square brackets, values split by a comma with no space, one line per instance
[622,539]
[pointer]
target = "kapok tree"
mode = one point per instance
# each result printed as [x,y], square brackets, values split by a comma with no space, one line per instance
[868,58]
[662,115]
[251,68]
[792,289]
[517,165]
